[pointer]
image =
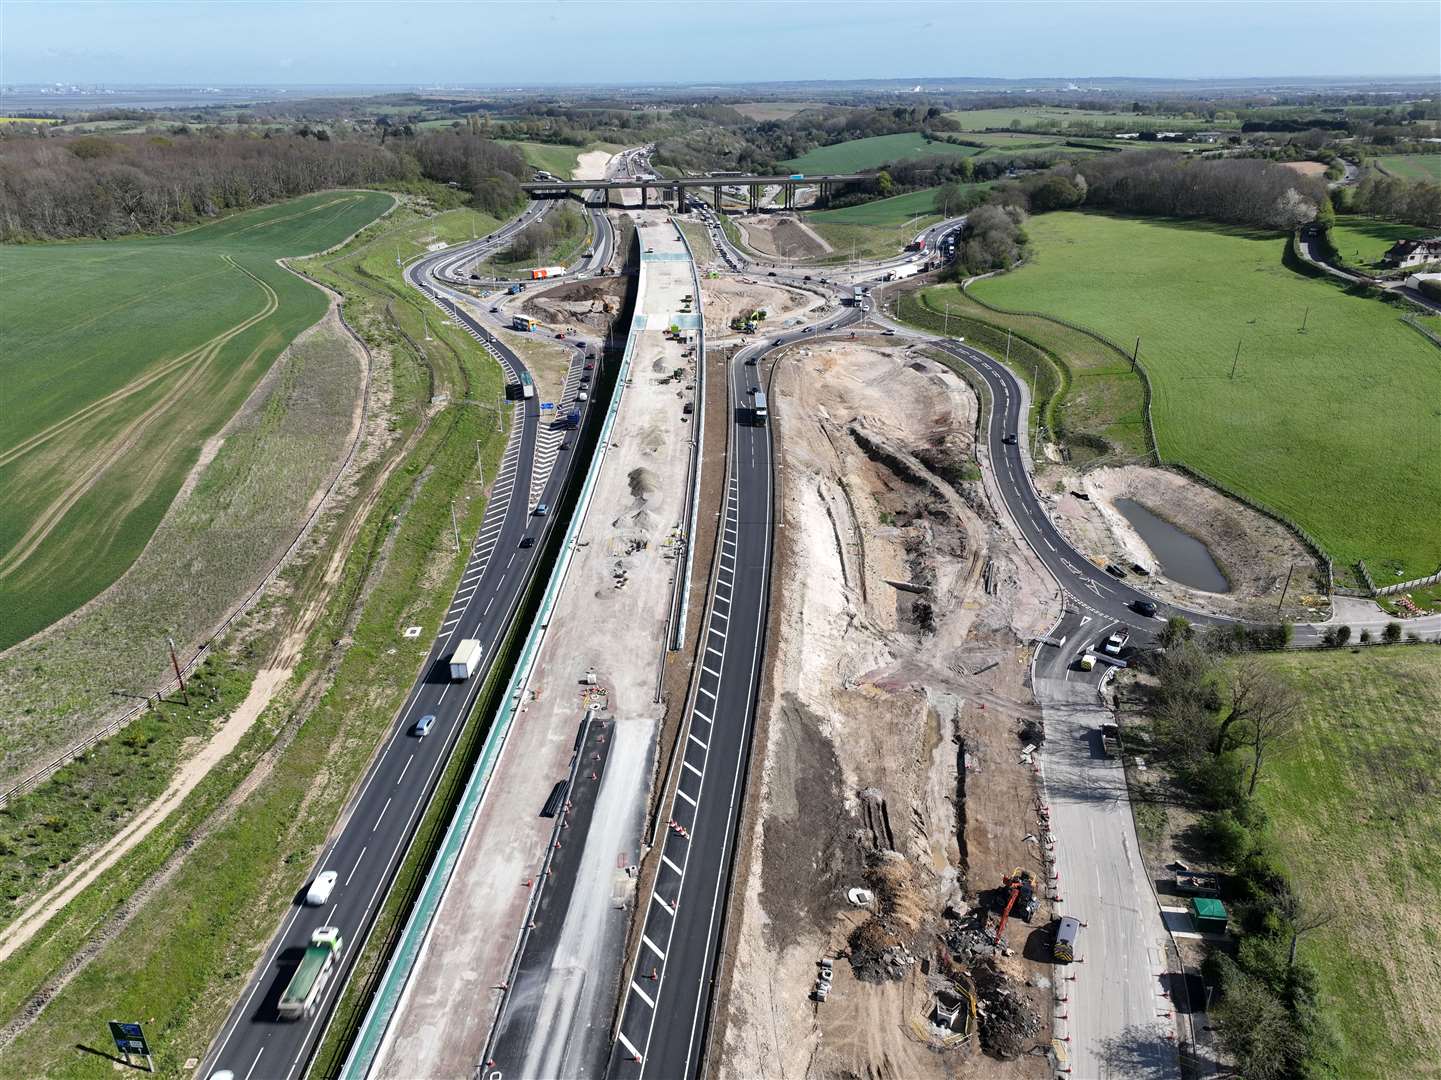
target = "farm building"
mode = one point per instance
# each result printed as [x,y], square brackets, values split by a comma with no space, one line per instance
[1413,252]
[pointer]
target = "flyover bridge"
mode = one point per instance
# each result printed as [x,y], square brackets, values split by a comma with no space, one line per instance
[674,187]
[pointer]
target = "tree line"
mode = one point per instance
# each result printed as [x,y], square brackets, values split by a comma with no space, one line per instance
[58,189]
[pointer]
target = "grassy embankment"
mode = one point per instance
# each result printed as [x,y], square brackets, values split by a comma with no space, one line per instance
[128,355]
[184,956]
[860,154]
[1411,166]
[1083,390]
[1332,425]
[555,240]
[1353,818]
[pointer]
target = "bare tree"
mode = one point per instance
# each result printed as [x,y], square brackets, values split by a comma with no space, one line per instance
[1304,916]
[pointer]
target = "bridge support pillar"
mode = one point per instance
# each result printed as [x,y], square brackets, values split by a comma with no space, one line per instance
[645,197]
[679,199]
[717,194]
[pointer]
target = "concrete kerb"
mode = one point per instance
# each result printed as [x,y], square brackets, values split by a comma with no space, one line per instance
[375,1026]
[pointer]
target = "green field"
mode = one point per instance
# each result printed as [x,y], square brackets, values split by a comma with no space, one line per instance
[1083,119]
[882,228]
[556,159]
[896,210]
[128,355]
[860,154]
[1351,801]
[1334,426]
[1411,166]
[1362,241]
[1010,140]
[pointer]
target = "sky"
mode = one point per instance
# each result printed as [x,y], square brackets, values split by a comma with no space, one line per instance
[550,42]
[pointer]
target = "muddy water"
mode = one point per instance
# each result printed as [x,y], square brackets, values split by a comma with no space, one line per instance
[1183,558]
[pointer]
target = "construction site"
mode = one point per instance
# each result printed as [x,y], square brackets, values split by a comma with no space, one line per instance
[892,901]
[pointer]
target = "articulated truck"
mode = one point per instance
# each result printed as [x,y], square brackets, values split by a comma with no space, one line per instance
[311,977]
[546,272]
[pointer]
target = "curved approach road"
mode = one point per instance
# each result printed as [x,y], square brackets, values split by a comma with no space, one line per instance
[381,818]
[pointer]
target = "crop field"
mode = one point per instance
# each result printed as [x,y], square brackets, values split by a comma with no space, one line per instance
[128,355]
[775,110]
[871,153]
[1412,166]
[1362,241]
[1333,425]
[1351,802]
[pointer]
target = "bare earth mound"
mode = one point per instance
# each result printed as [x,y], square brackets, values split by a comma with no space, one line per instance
[726,298]
[782,235]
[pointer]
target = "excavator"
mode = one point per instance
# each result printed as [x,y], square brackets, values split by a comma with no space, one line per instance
[1020,886]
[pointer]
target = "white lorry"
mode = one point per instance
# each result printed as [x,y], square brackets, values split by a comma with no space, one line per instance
[465,660]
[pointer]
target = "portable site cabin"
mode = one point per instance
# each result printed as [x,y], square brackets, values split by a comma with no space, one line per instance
[1209,914]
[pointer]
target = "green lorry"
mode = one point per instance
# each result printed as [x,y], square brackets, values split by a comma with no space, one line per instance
[311,977]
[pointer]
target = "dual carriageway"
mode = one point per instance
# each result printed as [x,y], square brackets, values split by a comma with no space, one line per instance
[665,995]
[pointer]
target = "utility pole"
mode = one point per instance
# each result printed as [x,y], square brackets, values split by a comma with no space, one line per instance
[1135,353]
[479,468]
[1305,317]
[454,526]
[948,319]
[175,663]
[1236,359]
[1289,571]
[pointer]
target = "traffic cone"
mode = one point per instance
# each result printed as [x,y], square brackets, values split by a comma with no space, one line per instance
[654,974]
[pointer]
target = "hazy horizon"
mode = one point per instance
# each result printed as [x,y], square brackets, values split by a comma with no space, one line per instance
[642,43]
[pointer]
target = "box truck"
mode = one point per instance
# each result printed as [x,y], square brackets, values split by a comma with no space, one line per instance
[465,660]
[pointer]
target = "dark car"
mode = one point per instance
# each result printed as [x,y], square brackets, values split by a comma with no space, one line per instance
[806,278]
[494,310]
[527,541]
[1009,440]
[1146,608]
[1115,571]
[771,274]
[589,367]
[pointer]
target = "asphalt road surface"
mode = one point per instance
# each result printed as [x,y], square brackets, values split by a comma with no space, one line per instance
[381,818]
[668,999]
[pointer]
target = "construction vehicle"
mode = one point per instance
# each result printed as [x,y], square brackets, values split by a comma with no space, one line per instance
[523,322]
[311,977]
[516,289]
[1063,949]
[1020,898]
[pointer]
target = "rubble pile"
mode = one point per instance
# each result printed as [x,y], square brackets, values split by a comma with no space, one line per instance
[1007,1019]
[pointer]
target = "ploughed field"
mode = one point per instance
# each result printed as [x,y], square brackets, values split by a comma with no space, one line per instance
[1335,425]
[121,359]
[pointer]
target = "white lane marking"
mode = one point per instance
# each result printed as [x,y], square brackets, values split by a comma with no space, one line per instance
[254,1063]
[628,1044]
[712,648]
[702,745]
[708,693]
[666,859]
[700,716]
[710,671]
[681,792]
[643,995]
[383,809]
[404,770]
[657,898]
[653,946]
[693,769]
[356,867]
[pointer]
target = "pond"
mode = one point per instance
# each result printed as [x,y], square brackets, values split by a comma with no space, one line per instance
[1182,557]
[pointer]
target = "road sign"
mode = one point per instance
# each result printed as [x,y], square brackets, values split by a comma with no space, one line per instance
[130,1041]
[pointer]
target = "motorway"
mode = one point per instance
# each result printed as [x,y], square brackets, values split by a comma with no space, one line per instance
[380,819]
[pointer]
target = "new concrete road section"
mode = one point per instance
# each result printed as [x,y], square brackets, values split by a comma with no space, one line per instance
[668,994]
[381,818]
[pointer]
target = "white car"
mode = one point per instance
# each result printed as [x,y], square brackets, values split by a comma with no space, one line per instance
[321,888]
[1116,642]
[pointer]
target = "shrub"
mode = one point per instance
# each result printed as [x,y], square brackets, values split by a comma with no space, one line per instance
[1392,633]
[1224,838]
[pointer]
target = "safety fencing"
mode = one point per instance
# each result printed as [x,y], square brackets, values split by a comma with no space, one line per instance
[680,607]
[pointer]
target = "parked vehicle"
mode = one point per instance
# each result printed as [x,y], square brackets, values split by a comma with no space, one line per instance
[465,659]
[1063,948]
[1116,642]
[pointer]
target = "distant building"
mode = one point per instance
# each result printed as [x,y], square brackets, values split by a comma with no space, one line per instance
[1413,252]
